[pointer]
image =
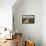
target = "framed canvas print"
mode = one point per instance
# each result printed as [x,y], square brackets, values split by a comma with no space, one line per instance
[28,19]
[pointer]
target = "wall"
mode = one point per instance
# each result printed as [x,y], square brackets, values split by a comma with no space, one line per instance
[6,13]
[43,22]
[30,31]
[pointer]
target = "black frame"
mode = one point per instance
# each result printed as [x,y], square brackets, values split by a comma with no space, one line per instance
[29,18]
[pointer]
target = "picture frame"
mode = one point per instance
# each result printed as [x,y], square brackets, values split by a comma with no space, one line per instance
[28,19]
